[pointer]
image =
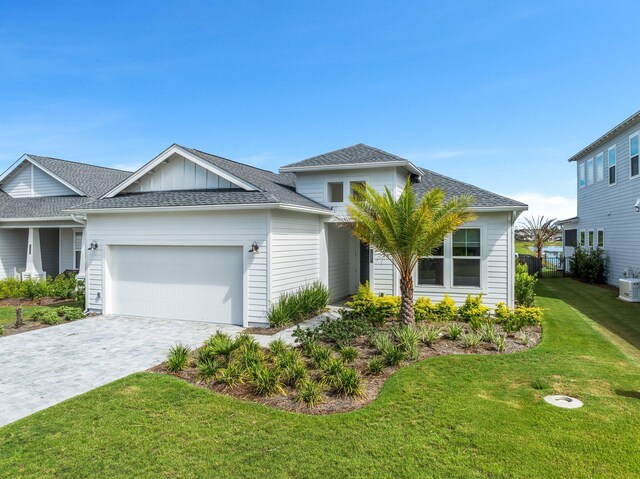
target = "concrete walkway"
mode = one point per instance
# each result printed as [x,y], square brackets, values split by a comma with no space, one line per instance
[44,367]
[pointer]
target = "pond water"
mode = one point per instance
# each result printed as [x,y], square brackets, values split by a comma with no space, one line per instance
[550,250]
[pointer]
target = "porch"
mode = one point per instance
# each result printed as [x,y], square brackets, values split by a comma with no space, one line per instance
[350,262]
[38,252]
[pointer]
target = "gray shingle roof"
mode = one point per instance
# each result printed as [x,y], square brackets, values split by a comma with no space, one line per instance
[43,207]
[356,154]
[483,198]
[92,180]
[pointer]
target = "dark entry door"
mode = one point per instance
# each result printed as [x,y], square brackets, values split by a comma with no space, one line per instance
[365,262]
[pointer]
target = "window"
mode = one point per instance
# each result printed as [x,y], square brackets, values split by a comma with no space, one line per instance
[581,175]
[570,238]
[354,185]
[590,171]
[600,238]
[336,192]
[582,238]
[599,166]
[77,249]
[612,165]
[466,257]
[591,238]
[633,155]
[431,270]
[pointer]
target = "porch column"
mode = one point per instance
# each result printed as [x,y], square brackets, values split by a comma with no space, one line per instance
[81,267]
[34,257]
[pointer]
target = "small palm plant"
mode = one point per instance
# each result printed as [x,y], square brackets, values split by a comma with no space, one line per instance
[406,229]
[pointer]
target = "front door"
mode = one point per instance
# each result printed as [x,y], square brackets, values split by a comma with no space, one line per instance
[365,262]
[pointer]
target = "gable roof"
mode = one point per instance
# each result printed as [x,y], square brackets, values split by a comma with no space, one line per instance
[264,187]
[482,198]
[358,156]
[632,120]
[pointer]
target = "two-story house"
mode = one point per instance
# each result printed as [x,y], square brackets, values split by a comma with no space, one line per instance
[192,235]
[608,192]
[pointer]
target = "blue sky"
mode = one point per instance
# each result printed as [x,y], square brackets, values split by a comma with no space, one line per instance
[498,94]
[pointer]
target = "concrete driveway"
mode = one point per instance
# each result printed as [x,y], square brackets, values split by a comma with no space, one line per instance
[44,367]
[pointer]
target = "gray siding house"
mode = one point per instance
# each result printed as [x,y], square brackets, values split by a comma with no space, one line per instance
[608,186]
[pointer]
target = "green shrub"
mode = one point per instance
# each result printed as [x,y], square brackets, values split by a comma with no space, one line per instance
[393,355]
[331,370]
[278,347]
[79,295]
[343,331]
[525,285]
[502,314]
[64,286]
[231,376]
[454,331]
[310,393]
[306,338]
[46,316]
[299,305]
[408,339]
[487,332]
[218,345]
[381,342]
[248,357]
[540,384]
[470,340]
[319,354]
[524,339]
[12,288]
[266,381]
[208,368]
[372,308]
[500,342]
[295,375]
[388,306]
[375,366]
[445,310]
[521,318]
[473,311]
[349,383]
[423,309]
[588,265]
[430,334]
[178,358]
[1,329]
[288,358]
[348,353]
[37,289]
[70,313]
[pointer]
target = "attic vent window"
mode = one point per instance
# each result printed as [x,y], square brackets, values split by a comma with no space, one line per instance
[336,192]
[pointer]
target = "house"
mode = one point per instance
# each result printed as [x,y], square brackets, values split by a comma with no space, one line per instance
[192,235]
[608,192]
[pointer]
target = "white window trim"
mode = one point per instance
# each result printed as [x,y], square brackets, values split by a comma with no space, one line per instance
[444,270]
[346,188]
[582,240]
[483,281]
[636,134]
[327,193]
[615,165]
[590,238]
[599,171]
[75,250]
[600,230]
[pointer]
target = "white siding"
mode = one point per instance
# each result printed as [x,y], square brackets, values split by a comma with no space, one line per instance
[612,209]
[295,251]
[314,185]
[182,228]
[495,270]
[13,250]
[179,174]
[30,181]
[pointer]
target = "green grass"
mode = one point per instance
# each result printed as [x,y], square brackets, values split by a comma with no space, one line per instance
[8,313]
[522,247]
[449,416]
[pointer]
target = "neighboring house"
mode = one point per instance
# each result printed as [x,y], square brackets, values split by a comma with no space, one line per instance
[37,237]
[608,185]
[192,235]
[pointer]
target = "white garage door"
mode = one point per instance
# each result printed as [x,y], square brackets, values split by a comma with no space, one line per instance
[177,282]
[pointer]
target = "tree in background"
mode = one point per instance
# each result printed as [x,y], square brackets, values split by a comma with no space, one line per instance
[540,231]
[406,229]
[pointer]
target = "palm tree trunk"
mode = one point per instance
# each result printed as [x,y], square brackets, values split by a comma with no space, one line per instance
[406,292]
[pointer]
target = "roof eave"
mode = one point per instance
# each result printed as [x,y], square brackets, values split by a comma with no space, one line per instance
[351,166]
[633,119]
[498,209]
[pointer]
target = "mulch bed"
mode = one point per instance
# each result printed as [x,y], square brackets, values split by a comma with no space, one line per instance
[33,302]
[335,403]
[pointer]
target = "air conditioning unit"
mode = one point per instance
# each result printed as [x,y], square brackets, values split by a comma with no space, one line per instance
[630,290]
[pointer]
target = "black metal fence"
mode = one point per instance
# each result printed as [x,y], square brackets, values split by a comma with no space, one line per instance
[549,266]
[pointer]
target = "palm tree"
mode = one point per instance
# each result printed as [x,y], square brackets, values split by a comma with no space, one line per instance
[406,229]
[540,231]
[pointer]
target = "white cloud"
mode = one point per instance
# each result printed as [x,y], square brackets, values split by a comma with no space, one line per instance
[550,206]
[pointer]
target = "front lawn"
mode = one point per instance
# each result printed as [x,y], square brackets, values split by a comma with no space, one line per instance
[448,416]
[8,313]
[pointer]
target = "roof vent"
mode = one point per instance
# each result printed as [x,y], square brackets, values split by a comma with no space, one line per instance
[416,178]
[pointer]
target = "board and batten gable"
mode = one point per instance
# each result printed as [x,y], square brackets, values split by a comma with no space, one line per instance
[179,173]
[497,265]
[612,207]
[181,228]
[29,181]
